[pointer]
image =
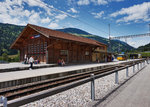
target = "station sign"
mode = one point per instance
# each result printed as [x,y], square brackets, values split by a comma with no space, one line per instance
[35,36]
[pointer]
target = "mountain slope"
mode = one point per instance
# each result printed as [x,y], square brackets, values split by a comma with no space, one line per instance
[144,48]
[9,33]
[116,45]
[74,30]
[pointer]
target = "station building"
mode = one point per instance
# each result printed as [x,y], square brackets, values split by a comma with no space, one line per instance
[48,46]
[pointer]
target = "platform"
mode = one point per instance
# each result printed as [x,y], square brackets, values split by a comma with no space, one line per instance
[135,94]
[8,79]
[18,66]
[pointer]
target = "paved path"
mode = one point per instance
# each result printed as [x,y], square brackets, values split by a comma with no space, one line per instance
[136,94]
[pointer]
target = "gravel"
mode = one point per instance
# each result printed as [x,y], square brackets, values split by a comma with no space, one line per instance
[80,96]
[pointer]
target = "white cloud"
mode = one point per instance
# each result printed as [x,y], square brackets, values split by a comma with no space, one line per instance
[73,10]
[53,25]
[117,0]
[27,13]
[83,2]
[71,2]
[96,2]
[134,13]
[34,18]
[39,3]
[12,12]
[134,43]
[61,16]
[15,12]
[99,2]
[48,10]
[98,15]
[9,19]
[141,41]
[45,20]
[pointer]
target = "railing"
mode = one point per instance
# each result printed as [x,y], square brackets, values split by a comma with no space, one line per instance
[49,92]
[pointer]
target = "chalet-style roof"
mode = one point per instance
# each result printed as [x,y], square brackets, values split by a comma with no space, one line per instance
[57,34]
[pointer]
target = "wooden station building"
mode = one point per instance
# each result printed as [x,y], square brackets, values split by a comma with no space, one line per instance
[48,45]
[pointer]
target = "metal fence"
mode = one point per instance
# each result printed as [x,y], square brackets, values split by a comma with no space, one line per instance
[49,92]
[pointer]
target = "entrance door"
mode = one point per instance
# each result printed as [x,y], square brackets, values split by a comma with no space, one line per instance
[47,56]
[64,55]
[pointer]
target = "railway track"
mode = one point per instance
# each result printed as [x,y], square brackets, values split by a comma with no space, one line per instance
[27,89]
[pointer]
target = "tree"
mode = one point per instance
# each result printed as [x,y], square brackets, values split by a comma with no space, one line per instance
[5,56]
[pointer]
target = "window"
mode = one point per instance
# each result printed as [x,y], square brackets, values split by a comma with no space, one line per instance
[32,48]
[63,52]
[87,53]
[45,46]
[41,48]
[35,48]
[38,48]
[29,49]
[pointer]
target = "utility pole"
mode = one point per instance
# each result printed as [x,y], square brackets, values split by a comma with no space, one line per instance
[109,30]
[149,29]
[126,40]
[109,38]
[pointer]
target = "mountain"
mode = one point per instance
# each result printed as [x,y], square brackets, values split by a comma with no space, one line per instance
[116,45]
[9,33]
[144,48]
[74,30]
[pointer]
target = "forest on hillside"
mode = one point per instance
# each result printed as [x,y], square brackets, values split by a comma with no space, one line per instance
[8,34]
[144,48]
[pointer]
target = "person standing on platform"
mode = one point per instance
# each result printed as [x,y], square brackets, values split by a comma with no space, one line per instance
[62,62]
[147,60]
[31,60]
[25,59]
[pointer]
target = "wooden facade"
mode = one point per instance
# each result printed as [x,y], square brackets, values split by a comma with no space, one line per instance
[100,54]
[48,45]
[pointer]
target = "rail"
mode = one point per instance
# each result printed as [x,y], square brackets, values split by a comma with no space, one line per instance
[37,96]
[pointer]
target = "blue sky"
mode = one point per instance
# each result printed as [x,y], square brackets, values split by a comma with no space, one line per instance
[126,17]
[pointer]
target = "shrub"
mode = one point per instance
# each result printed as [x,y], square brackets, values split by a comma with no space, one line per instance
[5,56]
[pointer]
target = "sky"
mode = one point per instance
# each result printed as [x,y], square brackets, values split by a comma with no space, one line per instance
[126,17]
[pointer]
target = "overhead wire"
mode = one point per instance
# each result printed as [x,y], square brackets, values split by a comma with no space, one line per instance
[112,29]
[55,9]
[60,11]
[100,21]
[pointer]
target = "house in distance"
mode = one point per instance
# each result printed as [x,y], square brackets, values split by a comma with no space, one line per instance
[49,45]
